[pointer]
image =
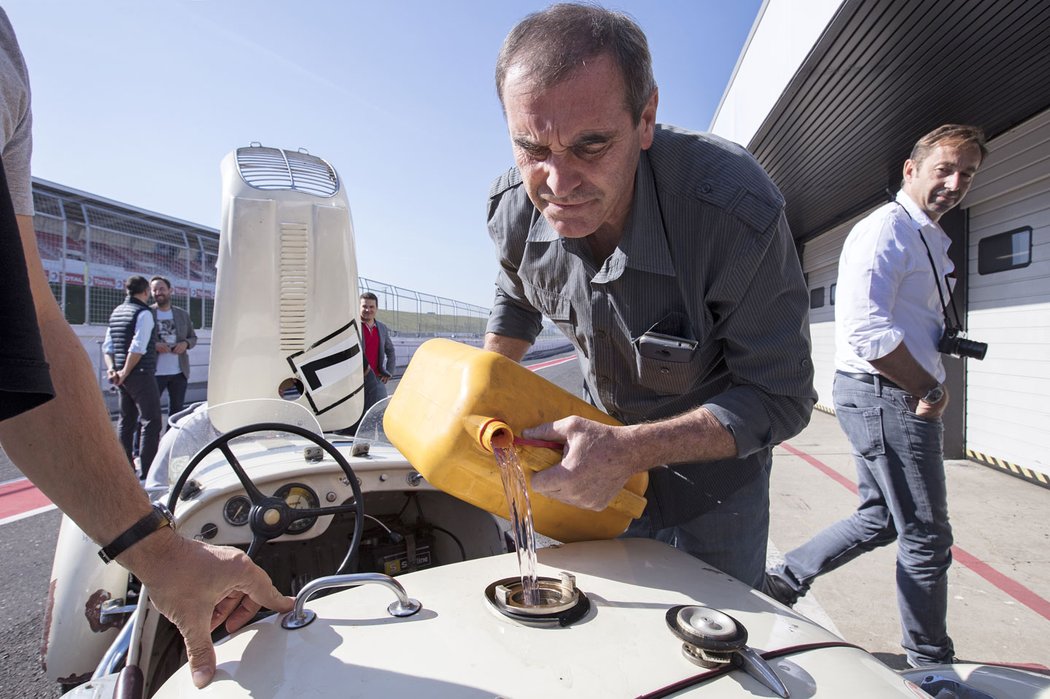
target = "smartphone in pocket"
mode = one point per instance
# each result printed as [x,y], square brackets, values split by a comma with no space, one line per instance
[667,348]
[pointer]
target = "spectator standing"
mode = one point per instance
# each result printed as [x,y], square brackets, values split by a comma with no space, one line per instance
[665,257]
[175,338]
[379,350]
[894,276]
[129,349]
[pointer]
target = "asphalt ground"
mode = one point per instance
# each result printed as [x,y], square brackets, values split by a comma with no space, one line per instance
[999,585]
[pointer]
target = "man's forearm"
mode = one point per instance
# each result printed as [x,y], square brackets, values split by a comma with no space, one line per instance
[101,494]
[900,367]
[510,347]
[693,436]
[131,362]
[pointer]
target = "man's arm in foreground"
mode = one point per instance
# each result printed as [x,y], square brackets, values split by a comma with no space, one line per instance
[67,447]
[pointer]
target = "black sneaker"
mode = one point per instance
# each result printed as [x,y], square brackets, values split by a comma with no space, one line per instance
[917,664]
[776,587]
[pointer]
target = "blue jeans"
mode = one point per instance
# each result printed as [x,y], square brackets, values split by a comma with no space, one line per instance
[900,478]
[732,537]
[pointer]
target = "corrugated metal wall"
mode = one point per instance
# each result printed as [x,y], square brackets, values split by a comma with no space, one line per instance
[1007,411]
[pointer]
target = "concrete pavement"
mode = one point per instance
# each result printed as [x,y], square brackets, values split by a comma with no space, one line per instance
[999,583]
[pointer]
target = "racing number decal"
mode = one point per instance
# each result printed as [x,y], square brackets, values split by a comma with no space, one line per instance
[331,369]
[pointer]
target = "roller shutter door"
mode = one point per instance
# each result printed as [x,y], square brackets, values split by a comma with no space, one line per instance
[1007,410]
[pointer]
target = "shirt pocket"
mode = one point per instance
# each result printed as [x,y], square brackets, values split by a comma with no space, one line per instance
[668,378]
[554,306]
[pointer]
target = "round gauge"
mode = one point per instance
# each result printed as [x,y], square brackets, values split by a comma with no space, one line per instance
[236,510]
[298,497]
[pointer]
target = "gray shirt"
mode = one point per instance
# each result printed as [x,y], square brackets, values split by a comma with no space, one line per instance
[16,119]
[706,256]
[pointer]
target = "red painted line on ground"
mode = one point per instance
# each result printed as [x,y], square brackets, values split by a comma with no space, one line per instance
[1003,582]
[822,467]
[550,363]
[20,496]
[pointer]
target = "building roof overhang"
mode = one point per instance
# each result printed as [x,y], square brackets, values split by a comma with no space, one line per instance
[885,72]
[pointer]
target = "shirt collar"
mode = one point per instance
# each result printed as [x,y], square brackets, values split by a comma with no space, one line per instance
[644,243]
[918,215]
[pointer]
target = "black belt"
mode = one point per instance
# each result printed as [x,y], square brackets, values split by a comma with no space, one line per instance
[868,378]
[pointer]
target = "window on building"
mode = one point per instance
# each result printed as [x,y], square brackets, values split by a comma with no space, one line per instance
[1010,250]
[831,294]
[816,297]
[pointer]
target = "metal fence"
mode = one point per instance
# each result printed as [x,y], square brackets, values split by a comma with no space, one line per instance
[409,312]
[90,246]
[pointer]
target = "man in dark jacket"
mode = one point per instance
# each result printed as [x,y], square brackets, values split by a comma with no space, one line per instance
[131,359]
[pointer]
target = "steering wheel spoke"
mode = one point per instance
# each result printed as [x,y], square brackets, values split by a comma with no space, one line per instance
[254,494]
[305,513]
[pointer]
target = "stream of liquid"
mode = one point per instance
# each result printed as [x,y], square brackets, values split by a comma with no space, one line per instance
[521,521]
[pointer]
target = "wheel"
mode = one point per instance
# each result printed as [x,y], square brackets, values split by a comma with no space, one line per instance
[271,516]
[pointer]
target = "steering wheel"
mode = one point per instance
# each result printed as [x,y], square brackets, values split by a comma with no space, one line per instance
[271,516]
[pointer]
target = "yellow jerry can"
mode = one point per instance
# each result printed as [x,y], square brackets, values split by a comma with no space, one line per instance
[456,401]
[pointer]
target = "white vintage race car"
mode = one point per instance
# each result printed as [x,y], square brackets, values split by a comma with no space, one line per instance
[434,605]
[422,591]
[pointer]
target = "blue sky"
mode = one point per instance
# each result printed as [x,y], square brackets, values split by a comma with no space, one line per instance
[139,101]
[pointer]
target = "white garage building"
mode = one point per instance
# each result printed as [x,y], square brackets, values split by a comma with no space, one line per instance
[831,95]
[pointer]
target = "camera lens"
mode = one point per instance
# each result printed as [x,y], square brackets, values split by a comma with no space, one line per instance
[971,348]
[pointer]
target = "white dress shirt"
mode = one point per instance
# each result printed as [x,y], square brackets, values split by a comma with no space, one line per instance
[887,290]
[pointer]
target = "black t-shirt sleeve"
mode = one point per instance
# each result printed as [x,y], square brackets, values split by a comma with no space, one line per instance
[25,381]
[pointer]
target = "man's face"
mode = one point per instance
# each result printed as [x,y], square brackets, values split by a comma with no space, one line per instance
[161,294]
[939,181]
[368,310]
[577,148]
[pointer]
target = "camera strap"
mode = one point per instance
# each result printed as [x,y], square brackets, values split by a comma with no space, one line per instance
[936,280]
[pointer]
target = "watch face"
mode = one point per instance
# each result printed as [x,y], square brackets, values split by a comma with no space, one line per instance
[934,395]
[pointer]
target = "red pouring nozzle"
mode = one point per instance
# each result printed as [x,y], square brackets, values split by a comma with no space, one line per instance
[526,442]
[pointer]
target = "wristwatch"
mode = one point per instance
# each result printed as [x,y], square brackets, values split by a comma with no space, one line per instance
[934,395]
[158,518]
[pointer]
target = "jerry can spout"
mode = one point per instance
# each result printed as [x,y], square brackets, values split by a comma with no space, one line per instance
[490,432]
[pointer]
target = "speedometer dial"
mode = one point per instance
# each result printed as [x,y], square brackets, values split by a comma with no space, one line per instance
[299,497]
[236,510]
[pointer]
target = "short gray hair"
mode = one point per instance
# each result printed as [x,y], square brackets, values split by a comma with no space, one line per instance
[553,43]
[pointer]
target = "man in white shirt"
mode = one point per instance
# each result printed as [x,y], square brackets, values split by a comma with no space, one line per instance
[175,338]
[894,282]
[131,358]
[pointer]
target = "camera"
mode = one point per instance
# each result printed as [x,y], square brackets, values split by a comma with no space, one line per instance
[954,343]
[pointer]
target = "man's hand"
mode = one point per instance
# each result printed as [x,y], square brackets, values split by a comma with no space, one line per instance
[595,464]
[198,587]
[179,348]
[162,348]
[384,377]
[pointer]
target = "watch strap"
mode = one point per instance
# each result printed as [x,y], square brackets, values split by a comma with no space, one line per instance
[158,518]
